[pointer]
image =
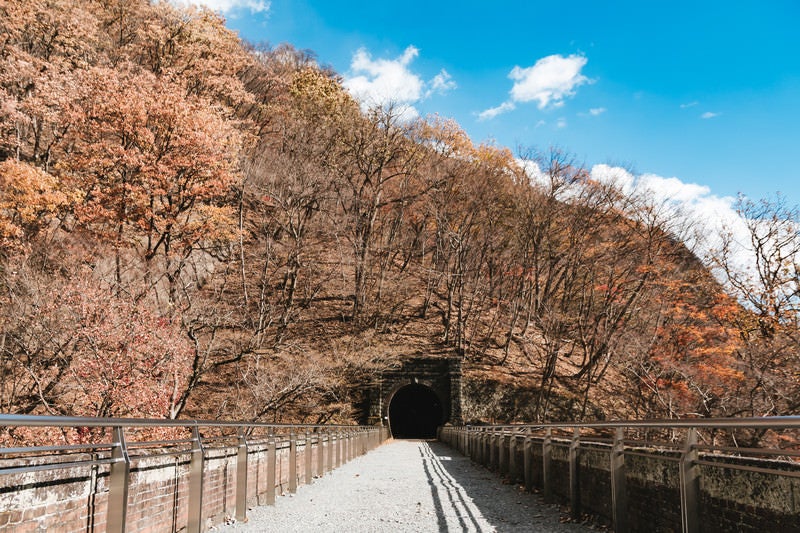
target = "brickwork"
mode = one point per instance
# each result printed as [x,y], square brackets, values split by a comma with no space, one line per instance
[76,499]
[442,375]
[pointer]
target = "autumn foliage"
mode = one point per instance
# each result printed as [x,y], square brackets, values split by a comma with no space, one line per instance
[193,226]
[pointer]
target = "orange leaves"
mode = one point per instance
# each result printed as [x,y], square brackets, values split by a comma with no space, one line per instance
[148,157]
[697,352]
[28,198]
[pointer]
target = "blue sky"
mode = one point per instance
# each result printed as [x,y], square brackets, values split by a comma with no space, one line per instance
[705,92]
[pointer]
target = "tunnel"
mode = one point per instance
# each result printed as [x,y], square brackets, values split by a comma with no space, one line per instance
[415,412]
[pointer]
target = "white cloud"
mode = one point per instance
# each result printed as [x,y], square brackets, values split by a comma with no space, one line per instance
[382,82]
[548,82]
[689,104]
[616,176]
[561,123]
[442,83]
[673,189]
[229,6]
[494,111]
[709,114]
[691,211]
[534,172]
[595,111]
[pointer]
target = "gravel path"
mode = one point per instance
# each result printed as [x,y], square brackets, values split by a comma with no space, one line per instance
[406,485]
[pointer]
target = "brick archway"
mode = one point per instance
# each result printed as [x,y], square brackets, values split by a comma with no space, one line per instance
[440,375]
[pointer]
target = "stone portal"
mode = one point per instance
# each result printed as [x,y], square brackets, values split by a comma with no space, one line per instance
[416,398]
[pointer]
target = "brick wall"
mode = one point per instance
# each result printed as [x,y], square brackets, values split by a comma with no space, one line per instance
[75,499]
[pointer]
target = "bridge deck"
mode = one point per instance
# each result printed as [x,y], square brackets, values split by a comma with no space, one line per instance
[407,486]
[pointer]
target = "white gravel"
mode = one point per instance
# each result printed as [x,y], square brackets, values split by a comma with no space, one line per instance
[407,485]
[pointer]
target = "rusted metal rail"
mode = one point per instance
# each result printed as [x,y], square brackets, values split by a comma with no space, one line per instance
[115,450]
[690,443]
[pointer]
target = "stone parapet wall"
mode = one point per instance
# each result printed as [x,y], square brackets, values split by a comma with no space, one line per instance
[729,500]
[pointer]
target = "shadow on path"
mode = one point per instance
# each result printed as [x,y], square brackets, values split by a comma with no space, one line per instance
[467,497]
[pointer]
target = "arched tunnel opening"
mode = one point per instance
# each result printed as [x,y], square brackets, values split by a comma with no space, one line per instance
[415,412]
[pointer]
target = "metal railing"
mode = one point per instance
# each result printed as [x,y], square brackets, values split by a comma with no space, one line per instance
[690,443]
[115,448]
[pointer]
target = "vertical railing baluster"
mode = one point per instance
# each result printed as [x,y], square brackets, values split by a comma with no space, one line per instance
[330,450]
[292,462]
[619,493]
[547,465]
[690,484]
[241,477]
[527,461]
[502,452]
[574,480]
[118,483]
[272,458]
[513,474]
[196,472]
[320,453]
[338,449]
[308,456]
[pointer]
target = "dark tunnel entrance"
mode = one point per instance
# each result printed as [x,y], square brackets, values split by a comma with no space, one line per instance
[415,412]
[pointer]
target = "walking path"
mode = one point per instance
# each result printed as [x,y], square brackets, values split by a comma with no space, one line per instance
[408,486]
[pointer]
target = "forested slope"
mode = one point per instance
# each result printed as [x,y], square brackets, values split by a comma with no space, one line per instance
[192,226]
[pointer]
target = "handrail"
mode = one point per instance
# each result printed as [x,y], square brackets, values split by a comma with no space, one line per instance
[86,421]
[343,442]
[771,422]
[496,446]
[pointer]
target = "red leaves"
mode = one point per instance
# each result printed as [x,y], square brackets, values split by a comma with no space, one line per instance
[124,360]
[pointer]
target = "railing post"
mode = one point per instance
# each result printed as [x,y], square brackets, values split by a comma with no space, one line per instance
[308,456]
[272,457]
[513,474]
[292,462]
[196,467]
[493,451]
[338,449]
[619,492]
[574,482]
[320,453]
[350,445]
[330,451]
[241,477]
[502,452]
[527,461]
[547,465]
[690,484]
[487,448]
[118,483]
[473,446]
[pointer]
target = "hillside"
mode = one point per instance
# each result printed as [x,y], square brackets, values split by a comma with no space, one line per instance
[194,227]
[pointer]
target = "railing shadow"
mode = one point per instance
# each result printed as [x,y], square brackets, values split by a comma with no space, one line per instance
[443,483]
[470,498]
